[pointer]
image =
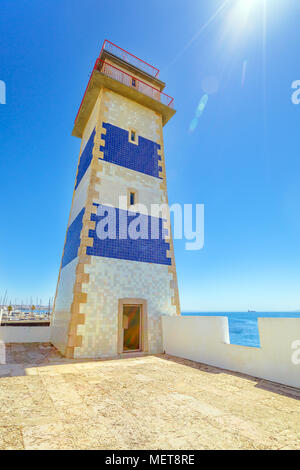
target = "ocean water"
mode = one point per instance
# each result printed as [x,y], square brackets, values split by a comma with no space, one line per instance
[243,326]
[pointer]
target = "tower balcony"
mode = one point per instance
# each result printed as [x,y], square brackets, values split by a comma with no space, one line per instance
[133,82]
[126,56]
[129,76]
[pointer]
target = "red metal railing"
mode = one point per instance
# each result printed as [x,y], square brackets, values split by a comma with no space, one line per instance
[133,82]
[130,58]
[141,64]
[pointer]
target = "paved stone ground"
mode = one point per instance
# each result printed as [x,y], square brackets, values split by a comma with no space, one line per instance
[149,402]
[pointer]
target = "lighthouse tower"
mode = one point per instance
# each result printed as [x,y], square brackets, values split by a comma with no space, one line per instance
[116,279]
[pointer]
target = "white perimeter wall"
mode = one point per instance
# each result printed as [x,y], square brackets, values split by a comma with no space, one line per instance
[25,334]
[206,340]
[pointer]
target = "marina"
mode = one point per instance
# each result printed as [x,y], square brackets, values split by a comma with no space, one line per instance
[21,315]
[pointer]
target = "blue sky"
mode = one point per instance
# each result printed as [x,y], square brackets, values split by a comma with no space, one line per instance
[241,161]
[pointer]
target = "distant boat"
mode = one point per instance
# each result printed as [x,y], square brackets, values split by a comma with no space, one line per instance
[251,311]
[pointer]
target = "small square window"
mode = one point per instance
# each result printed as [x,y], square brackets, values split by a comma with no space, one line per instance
[132,198]
[133,136]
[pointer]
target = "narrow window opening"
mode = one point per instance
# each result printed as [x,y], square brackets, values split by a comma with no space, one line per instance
[133,81]
[132,198]
[133,136]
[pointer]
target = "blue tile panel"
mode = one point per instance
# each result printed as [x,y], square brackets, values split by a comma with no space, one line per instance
[72,240]
[85,159]
[144,250]
[142,157]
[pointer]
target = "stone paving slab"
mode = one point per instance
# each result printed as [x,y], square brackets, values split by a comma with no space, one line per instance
[147,402]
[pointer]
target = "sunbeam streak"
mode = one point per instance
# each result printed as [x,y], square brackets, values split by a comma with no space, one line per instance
[203,28]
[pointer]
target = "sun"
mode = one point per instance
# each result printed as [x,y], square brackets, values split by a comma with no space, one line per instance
[240,16]
[243,8]
[247,4]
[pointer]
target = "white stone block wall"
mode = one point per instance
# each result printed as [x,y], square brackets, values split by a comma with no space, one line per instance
[64,296]
[80,196]
[62,311]
[127,114]
[112,279]
[116,180]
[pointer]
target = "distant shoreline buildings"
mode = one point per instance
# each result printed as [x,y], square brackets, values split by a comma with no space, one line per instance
[23,313]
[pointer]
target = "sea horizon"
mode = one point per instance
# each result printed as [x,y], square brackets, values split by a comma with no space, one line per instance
[243,326]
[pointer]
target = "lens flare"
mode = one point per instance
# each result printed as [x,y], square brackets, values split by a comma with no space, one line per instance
[193,125]
[200,108]
[244,70]
[201,105]
[210,85]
